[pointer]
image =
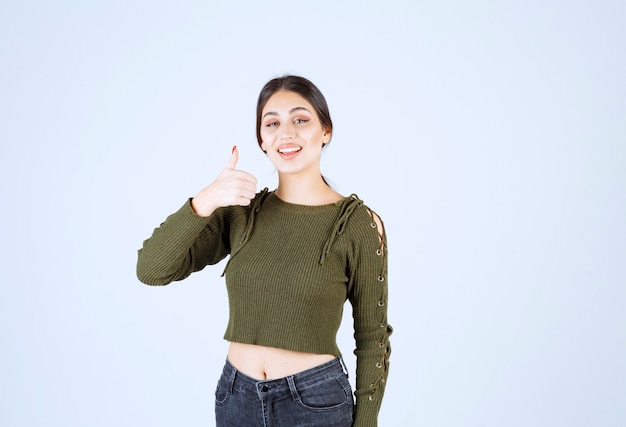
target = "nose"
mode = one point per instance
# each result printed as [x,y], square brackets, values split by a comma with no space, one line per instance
[288,131]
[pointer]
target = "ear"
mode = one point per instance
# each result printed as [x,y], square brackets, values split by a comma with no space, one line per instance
[326,137]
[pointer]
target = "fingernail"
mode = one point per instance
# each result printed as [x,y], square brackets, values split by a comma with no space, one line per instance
[234,148]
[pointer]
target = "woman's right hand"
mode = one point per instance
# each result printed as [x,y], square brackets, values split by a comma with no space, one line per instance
[231,187]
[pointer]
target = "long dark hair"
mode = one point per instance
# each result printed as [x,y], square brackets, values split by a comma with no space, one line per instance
[303,87]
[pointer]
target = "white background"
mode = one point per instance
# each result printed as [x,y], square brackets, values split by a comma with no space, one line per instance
[490,137]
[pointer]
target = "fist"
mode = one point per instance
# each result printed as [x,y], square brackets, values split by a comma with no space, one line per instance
[231,187]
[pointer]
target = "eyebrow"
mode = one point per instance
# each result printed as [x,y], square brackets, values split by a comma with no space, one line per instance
[274,113]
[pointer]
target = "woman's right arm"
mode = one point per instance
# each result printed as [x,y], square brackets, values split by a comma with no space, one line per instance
[184,243]
[198,233]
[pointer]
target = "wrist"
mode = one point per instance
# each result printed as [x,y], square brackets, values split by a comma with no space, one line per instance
[203,210]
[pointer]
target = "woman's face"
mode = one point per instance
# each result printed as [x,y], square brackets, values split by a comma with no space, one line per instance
[292,133]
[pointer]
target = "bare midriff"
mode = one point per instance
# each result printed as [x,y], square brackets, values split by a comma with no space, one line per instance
[269,363]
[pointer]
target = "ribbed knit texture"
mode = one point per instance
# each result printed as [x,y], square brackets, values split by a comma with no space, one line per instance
[290,271]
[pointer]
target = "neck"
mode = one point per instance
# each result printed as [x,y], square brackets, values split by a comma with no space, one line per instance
[310,190]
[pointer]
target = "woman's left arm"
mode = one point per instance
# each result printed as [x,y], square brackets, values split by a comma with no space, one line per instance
[368,295]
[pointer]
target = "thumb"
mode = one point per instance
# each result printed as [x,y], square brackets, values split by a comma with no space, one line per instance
[232,163]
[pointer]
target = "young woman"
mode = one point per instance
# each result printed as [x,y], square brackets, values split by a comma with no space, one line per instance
[296,255]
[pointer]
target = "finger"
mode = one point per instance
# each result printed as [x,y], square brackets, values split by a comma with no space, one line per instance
[232,163]
[248,194]
[245,176]
[244,201]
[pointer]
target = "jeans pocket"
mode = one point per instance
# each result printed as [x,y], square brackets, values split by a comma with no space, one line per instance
[221,392]
[328,395]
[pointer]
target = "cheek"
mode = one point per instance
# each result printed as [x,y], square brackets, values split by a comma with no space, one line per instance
[265,135]
[316,135]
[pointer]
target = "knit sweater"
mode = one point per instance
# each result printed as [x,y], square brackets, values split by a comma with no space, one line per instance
[290,271]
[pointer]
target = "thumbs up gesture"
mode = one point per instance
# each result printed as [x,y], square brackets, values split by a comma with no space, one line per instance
[231,187]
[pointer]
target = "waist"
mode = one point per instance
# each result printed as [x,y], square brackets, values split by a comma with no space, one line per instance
[303,379]
[267,363]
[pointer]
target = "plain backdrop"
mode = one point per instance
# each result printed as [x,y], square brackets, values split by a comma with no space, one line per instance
[489,136]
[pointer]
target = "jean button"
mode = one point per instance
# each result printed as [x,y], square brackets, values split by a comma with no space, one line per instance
[264,388]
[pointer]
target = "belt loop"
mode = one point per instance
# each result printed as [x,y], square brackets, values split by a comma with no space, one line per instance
[344,367]
[292,388]
[231,379]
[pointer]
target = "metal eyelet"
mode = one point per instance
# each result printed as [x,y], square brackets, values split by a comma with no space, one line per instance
[379,252]
[381,303]
[381,278]
[379,365]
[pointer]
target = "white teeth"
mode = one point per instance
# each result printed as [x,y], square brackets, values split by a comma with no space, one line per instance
[289,150]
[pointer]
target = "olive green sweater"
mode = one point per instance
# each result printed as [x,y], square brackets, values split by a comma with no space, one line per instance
[290,271]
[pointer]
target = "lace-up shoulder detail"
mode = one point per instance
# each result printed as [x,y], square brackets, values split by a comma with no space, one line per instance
[382,237]
[348,207]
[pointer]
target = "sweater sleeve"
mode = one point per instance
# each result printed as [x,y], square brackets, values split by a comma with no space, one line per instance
[183,244]
[368,296]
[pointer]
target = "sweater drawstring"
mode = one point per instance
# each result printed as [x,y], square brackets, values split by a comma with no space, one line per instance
[347,209]
[255,207]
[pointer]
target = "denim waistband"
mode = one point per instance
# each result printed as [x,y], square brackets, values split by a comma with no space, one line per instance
[303,379]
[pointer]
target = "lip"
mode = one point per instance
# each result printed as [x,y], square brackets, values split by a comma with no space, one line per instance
[289,151]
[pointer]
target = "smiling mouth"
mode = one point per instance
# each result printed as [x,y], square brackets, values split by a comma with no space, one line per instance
[289,150]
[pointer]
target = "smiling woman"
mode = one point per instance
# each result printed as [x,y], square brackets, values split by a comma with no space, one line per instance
[286,369]
[293,136]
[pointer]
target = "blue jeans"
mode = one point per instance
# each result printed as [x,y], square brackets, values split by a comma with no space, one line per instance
[317,397]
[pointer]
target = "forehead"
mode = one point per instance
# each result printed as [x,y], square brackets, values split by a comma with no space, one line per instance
[283,101]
